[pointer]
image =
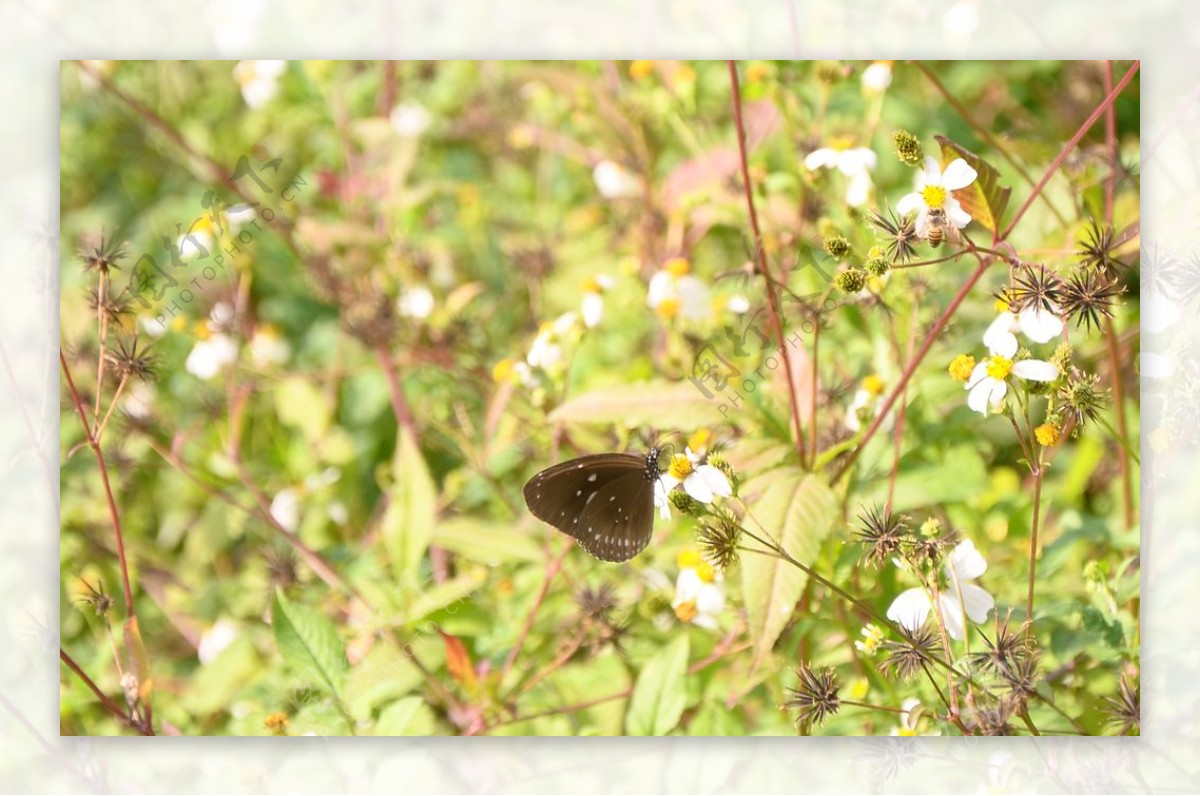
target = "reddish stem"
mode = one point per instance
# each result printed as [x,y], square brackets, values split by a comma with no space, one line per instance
[772,295]
[108,704]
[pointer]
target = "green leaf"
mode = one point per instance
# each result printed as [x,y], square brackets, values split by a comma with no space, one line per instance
[401,718]
[408,522]
[644,405]
[985,199]
[301,405]
[488,543]
[660,693]
[796,510]
[309,643]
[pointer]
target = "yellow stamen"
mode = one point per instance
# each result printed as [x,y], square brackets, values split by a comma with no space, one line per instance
[502,370]
[668,308]
[960,369]
[688,559]
[999,367]
[841,143]
[202,331]
[1047,435]
[591,285]
[641,68]
[681,467]
[699,440]
[873,384]
[934,195]
[686,611]
[677,266]
[757,71]
[705,572]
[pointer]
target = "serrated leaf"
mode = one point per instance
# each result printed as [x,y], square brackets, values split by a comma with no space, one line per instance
[408,522]
[797,510]
[985,199]
[681,404]
[660,693]
[309,643]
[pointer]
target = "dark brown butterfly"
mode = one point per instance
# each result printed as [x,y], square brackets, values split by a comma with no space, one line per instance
[604,501]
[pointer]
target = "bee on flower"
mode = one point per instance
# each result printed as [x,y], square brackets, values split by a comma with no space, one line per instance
[699,591]
[933,200]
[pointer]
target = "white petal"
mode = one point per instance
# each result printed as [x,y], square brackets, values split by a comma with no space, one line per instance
[958,174]
[592,309]
[694,298]
[977,602]
[698,488]
[932,173]
[705,621]
[855,161]
[978,374]
[1040,325]
[1035,370]
[687,586]
[715,480]
[662,488]
[859,190]
[909,203]
[955,213]
[710,600]
[965,562]
[662,286]
[910,609]
[922,228]
[999,337]
[952,615]
[820,159]
[987,393]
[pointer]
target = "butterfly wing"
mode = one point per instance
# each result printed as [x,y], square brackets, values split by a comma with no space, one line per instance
[558,495]
[618,522]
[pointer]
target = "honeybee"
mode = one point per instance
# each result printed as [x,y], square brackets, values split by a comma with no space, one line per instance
[938,228]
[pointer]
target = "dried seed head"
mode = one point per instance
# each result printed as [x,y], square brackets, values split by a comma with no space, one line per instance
[815,697]
[1088,295]
[882,534]
[911,655]
[719,542]
[899,234]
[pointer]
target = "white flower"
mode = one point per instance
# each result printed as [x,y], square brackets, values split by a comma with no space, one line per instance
[546,351]
[592,308]
[987,385]
[1037,324]
[933,190]
[911,608]
[197,242]
[702,482]
[416,302]
[877,77]
[410,119]
[237,215]
[209,357]
[221,316]
[338,512]
[152,326]
[699,596]
[268,347]
[867,402]
[614,181]
[854,163]
[738,305]
[675,292]
[215,640]
[285,509]
[259,80]
[138,401]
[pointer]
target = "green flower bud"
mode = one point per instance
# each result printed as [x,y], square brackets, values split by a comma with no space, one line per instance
[908,147]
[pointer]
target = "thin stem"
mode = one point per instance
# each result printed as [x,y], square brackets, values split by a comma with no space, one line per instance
[403,414]
[1068,147]
[108,493]
[551,571]
[1033,547]
[108,704]
[942,320]
[113,405]
[771,293]
[102,326]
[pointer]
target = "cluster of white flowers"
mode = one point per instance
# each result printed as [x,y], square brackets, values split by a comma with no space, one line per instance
[961,596]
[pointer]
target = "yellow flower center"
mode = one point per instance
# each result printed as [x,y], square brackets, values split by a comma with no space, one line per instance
[705,572]
[999,367]
[668,308]
[757,71]
[907,732]
[677,266]
[202,331]
[960,369]
[1001,305]
[688,559]
[591,285]
[840,143]
[873,384]
[934,195]
[1047,435]
[686,611]
[641,68]
[700,439]
[681,466]
[502,370]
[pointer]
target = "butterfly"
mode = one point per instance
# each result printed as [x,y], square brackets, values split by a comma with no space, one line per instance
[604,501]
